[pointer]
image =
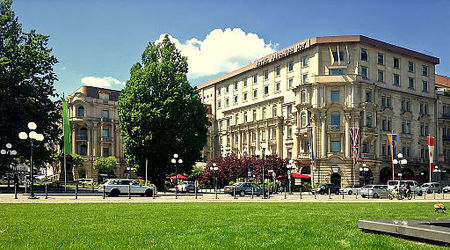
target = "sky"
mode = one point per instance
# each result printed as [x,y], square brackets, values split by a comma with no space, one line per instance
[97,42]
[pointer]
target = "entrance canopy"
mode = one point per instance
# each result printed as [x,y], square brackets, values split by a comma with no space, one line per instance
[300,176]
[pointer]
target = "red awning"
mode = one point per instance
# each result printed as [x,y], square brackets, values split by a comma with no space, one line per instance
[180,177]
[300,176]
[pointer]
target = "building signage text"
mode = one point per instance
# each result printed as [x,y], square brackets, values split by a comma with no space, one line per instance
[281,54]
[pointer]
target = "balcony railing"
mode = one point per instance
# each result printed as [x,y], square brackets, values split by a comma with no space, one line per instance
[369,129]
[106,119]
[106,139]
[334,127]
[368,156]
[81,137]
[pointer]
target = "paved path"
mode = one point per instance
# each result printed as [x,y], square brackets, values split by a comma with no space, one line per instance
[170,198]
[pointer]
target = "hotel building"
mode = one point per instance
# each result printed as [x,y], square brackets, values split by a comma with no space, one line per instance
[335,83]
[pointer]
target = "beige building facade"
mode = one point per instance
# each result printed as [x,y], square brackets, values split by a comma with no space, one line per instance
[335,83]
[95,129]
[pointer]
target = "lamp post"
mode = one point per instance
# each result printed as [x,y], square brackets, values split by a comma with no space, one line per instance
[214,168]
[263,153]
[438,173]
[175,160]
[364,169]
[400,161]
[32,135]
[10,153]
[289,167]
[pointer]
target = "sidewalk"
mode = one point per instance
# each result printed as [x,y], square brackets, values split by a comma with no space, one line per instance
[170,198]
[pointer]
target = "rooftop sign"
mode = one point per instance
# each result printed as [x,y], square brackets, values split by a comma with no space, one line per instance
[281,54]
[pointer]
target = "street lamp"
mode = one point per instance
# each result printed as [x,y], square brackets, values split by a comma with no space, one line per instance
[400,161]
[263,153]
[32,135]
[289,167]
[364,169]
[400,176]
[10,153]
[214,168]
[175,160]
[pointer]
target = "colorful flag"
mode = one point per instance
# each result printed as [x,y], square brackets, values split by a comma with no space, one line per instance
[338,55]
[66,129]
[430,150]
[311,125]
[393,146]
[354,133]
[331,56]
[348,54]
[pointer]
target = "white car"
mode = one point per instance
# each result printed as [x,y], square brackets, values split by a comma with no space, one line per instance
[431,187]
[355,189]
[115,187]
[446,189]
[413,185]
[375,191]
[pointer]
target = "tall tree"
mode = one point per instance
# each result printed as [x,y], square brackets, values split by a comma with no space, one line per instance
[161,114]
[26,86]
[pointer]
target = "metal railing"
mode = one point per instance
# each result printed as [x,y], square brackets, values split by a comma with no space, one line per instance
[334,127]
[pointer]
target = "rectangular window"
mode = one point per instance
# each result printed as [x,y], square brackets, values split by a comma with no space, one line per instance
[364,72]
[303,97]
[254,115]
[227,89]
[255,79]
[290,83]
[408,106]
[425,108]
[334,72]
[277,86]
[421,108]
[389,125]
[106,152]
[380,75]
[274,111]
[105,132]
[266,90]
[369,120]
[245,96]
[363,55]
[335,96]
[425,86]
[105,113]
[411,83]
[335,146]
[336,121]
[277,70]
[289,132]
[396,80]
[236,85]
[383,149]
[380,59]
[235,99]
[388,102]
[245,120]
[411,67]
[383,102]
[369,96]
[266,74]
[425,70]
[227,102]
[383,125]
[219,91]
[103,96]
[305,61]
[245,82]
[304,78]
[291,66]
[289,109]
[219,104]
[255,93]
[396,63]
[340,57]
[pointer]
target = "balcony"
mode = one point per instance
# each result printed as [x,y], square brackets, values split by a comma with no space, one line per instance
[106,119]
[368,156]
[334,128]
[106,139]
[369,129]
[81,137]
[304,155]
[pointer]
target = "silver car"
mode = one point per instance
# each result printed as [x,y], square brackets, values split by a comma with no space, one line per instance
[355,189]
[374,191]
[430,187]
[115,187]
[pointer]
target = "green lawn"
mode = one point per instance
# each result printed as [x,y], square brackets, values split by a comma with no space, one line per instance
[203,225]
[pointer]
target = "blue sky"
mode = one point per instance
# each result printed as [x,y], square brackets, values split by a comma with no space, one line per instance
[97,42]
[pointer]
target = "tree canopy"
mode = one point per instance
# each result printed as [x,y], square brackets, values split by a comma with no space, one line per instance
[160,113]
[105,164]
[26,86]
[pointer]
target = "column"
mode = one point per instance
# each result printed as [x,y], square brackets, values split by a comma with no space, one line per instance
[239,134]
[113,146]
[323,137]
[101,135]
[248,141]
[280,141]
[89,144]
[258,138]
[347,137]
[74,128]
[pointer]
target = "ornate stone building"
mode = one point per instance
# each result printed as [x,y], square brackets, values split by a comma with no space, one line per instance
[335,83]
[95,128]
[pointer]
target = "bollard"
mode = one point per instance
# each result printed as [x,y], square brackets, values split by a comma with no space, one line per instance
[356,195]
[195,189]
[315,195]
[329,193]
[434,195]
[46,191]
[92,187]
[252,191]
[76,191]
[234,193]
[104,191]
[424,194]
[15,190]
[154,193]
[443,196]
[129,191]
[343,194]
[301,195]
[285,194]
[26,184]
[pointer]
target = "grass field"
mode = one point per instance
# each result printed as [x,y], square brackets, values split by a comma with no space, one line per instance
[203,225]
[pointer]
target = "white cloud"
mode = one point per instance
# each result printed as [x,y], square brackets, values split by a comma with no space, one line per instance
[100,81]
[222,51]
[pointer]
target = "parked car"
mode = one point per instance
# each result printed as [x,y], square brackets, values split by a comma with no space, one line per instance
[115,187]
[375,191]
[413,185]
[323,189]
[430,187]
[243,188]
[446,189]
[187,186]
[355,189]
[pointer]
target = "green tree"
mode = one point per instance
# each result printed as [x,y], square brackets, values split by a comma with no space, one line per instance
[78,161]
[161,114]
[26,86]
[105,164]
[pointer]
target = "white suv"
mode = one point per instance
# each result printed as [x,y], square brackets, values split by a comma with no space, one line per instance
[115,187]
[431,187]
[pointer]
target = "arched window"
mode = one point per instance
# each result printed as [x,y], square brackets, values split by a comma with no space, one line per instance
[303,120]
[80,111]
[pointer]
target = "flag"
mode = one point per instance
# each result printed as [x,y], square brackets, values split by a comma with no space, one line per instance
[338,55]
[354,133]
[431,149]
[348,54]
[331,56]
[393,146]
[310,125]
[66,129]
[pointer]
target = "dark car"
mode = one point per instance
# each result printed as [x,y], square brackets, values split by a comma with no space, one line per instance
[243,188]
[323,189]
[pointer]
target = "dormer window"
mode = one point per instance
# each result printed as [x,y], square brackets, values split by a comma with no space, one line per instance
[103,96]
